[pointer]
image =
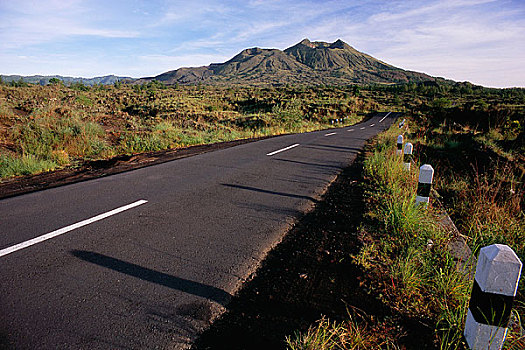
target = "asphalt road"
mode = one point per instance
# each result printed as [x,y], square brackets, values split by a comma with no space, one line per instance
[78,274]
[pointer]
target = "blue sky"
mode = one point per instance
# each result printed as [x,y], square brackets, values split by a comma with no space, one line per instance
[482,41]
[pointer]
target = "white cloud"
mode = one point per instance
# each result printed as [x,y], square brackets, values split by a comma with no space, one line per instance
[31,23]
[426,9]
[476,40]
[471,42]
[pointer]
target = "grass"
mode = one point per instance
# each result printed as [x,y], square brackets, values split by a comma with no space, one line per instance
[483,189]
[404,249]
[412,246]
[25,165]
[347,335]
[404,253]
[412,250]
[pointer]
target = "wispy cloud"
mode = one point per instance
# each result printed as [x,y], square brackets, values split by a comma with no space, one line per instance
[476,40]
[464,40]
[155,64]
[24,23]
[412,9]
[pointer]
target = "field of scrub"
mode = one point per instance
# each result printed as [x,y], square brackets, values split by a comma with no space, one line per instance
[48,127]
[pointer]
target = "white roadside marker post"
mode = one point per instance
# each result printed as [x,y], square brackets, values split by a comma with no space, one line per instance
[407,157]
[426,174]
[495,284]
[399,144]
[402,123]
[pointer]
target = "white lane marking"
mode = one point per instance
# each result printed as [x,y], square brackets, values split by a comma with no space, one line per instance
[61,231]
[330,134]
[282,149]
[372,125]
[385,116]
[363,128]
[350,130]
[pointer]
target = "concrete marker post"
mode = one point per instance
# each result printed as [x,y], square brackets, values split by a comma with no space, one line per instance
[426,174]
[495,284]
[399,144]
[402,123]
[407,157]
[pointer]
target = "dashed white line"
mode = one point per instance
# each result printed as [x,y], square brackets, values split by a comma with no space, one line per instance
[372,125]
[61,231]
[385,116]
[330,134]
[282,149]
[350,130]
[363,128]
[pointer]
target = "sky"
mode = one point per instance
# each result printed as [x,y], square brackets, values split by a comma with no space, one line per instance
[481,41]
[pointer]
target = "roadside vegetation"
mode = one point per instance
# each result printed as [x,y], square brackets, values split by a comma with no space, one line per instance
[477,151]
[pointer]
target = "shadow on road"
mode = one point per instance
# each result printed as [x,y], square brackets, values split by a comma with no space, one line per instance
[309,164]
[199,289]
[291,195]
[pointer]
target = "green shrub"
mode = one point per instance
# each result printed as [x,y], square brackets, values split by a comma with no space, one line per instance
[25,165]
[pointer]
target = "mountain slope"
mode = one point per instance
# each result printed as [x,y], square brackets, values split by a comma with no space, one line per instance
[307,62]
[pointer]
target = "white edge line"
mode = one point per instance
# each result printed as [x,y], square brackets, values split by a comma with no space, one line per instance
[63,230]
[371,125]
[330,134]
[385,116]
[350,130]
[282,149]
[363,128]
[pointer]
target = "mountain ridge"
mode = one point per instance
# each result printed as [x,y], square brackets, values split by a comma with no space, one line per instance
[307,62]
[44,79]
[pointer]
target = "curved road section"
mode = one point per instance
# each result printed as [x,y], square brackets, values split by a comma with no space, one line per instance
[147,259]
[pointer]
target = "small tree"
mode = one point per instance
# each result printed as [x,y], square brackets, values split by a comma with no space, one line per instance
[55,81]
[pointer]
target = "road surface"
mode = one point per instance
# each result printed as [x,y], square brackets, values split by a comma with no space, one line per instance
[146,259]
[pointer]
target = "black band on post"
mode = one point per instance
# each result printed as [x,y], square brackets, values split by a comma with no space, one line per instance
[399,146]
[423,189]
[407,158]
[490,308]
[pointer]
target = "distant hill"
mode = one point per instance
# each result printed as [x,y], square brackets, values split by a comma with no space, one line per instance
[44,79]
[304,63]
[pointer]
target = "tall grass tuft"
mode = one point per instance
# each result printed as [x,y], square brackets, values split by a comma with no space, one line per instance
[347,335]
